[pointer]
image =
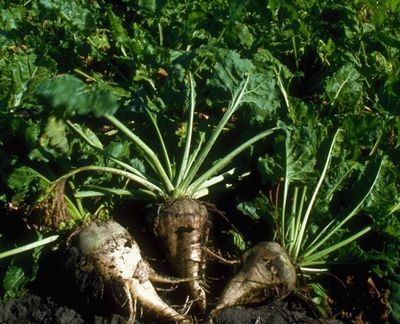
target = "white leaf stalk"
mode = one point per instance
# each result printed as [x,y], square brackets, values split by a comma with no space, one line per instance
[298,239]
[314,256]
[29,246]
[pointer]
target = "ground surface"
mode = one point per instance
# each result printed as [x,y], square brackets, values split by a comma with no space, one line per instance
[32,309]
[275,313]
[355,297]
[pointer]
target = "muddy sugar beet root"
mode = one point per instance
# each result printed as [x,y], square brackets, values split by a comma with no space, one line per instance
[182,226]
[266,272]
[109,251]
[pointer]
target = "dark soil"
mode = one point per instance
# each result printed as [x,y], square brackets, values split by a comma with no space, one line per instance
[53,298]
[277,313]
[32,309]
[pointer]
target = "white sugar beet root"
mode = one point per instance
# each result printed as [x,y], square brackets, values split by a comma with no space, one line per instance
[266,272]
[108,249]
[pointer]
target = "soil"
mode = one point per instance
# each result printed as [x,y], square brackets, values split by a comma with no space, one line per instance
[52,300]
[32,309]
[359,300]
[277,313]
[355,296]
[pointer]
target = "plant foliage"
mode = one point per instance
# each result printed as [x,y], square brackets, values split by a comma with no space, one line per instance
[90,83]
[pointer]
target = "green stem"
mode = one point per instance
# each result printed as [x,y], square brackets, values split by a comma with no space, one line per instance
[376,145]
[219,165]
[153,119]
[237,99]
[355,210]
[147,184]
[298,220]
[307,214]
[315,258]
[322,232]
[87,76]
[282,88]
[394,208]
[99,148]
[194,154]
[314,270]
[160,34]
[148,152]
[29,246]
[185,159]
[340,88]
[293,220]
[282,225]
[295,52]
[75,210]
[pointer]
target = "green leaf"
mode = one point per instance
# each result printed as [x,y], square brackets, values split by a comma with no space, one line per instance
[231,71]
[319,298]
[117,28]
[11,18]
[383,203]
[87,134]
[55,135]
[265,59]
[118,150]
[294,158]
[19,74]
[345,88]
[262,97]
[13,281]
[242,32]
[73,13]
[20,272]
[138,164]
[394,299]
[24,180]
[68,96]
[238,240]
[262,94]
[259,208]
[150,5]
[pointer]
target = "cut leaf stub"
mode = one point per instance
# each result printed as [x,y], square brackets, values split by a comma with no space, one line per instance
[266,273]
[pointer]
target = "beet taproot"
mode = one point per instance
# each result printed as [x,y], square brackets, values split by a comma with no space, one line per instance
[107,251]
[266,272]
[182,226]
